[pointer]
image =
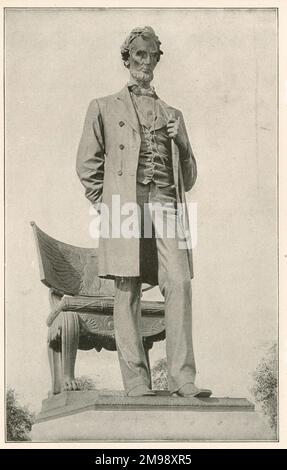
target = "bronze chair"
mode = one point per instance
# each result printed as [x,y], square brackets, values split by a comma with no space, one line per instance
[82,307]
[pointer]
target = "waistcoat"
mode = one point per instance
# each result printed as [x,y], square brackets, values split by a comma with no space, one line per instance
[155,162]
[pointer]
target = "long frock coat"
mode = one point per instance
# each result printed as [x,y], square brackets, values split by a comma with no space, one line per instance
[107,163]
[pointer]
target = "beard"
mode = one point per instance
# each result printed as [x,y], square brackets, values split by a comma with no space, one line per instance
[142,77]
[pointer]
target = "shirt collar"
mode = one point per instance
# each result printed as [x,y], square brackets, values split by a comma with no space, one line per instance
[132,83]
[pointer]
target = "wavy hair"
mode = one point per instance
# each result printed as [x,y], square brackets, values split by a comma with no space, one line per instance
[146,32]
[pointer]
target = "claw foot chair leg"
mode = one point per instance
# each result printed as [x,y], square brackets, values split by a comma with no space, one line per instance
[62,363]
[55,361]
[70,343]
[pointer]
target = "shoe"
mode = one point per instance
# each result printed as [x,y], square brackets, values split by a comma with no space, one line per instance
[190,390]
[140,391]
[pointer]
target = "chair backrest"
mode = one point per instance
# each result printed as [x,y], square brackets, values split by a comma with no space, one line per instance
[69,269]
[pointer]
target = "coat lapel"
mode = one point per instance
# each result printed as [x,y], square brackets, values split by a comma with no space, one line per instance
[129,111]
[167,110]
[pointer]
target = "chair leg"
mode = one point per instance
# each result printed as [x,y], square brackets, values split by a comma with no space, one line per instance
[55,362]
[70,342]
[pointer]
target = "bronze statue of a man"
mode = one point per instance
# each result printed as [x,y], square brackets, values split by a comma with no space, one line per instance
[135,147]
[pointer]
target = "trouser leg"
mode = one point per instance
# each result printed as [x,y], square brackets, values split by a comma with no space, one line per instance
[175,286]
[127,318]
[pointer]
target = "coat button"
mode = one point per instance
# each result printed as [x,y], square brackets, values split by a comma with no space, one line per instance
[122,146]
[120,172]
[121,123]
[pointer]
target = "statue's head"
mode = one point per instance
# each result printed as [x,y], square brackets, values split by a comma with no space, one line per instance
[141,53]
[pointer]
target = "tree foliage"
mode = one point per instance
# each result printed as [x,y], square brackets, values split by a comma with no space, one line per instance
[19,419]
[159,375]
[266,385]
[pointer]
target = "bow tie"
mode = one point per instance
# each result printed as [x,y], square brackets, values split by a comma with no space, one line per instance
[137,90]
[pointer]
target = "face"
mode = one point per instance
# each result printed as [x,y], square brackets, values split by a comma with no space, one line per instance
[143,59]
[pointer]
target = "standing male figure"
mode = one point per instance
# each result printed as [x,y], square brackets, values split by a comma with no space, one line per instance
[134,146]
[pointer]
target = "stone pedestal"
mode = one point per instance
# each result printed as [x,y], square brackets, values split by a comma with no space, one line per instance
[92,416]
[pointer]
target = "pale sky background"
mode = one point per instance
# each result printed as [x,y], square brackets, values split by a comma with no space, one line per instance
[219,68]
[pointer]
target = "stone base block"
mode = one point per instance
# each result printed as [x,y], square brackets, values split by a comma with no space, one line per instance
[111,417]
